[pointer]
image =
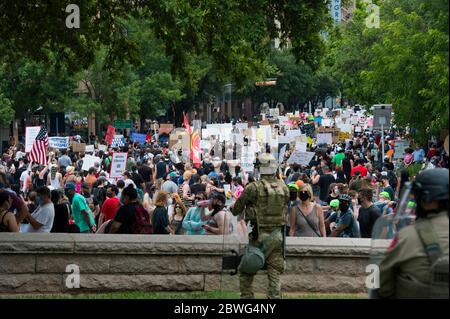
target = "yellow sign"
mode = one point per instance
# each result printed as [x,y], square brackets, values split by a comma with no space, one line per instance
[343,136]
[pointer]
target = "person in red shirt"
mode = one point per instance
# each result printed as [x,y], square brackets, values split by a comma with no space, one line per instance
[360,168]
[110,205]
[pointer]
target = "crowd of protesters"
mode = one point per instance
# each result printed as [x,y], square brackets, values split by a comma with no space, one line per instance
[341,193]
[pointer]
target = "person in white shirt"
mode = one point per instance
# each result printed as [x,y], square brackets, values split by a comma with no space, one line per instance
[54,178]
[41,220]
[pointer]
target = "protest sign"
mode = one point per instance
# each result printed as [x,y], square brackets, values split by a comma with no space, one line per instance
[78,147]
[301,146]
[58,142]
[358,129]
[343,136]
[89,161]
[301,158]
[242,126]
[247,159]
[103,148]
[285,139]
[282,152]
[30,135]
[400,149]
[345,128]
[165,128]
[138,137]
[327,122]
[274,112]
[325,138]
[118,164]
[293,133]
[90,149]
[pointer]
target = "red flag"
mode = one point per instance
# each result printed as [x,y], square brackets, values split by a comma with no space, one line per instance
[186,124]
[39,148]
[195,148]
[110,132]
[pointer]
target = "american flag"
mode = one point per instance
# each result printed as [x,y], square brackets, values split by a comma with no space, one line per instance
[118,142]
[38,150]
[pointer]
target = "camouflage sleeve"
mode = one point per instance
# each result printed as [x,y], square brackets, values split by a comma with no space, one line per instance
[247,196]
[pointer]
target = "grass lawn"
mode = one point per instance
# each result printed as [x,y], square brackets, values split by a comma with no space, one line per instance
[179,295]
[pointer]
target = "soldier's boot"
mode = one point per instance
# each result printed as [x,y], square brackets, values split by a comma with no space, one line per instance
[274,291]
[245,285]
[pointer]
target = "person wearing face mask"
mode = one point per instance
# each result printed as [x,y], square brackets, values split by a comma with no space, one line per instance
[177,218]
[368,212]
[81,213]
[345,223]
[192,223]
[306,218]
[219,222]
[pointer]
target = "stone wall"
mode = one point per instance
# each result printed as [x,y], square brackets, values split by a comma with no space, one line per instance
[36,263]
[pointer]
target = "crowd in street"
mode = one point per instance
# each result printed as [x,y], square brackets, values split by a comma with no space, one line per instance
[344,189]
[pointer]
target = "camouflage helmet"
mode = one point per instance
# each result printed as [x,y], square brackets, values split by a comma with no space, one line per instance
[268,164]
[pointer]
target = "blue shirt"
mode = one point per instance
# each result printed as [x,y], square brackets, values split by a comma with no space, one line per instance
[192,222]
[418,155]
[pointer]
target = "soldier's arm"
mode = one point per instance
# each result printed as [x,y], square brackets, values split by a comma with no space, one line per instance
[247,196]
[388,269]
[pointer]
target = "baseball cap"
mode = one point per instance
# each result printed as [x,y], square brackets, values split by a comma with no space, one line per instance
[385,195]
[334,203]
[70,186]
[293,185]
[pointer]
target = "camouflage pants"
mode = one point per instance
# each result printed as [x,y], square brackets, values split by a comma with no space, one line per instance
[275,267]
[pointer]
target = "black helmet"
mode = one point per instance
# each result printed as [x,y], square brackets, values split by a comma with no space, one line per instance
[345,198]
[431,184]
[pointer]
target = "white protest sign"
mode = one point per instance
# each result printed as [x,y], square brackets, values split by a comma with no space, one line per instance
[89,149]
[242,126]
[30,135]
[293,133]
[357,129]
[58,142]
[284,139]
[274,112]
[118,164]
[301,158]
[325,138]
[282,152]
[89,161]
[103,148]
[247,158]
[347,128]
[327,122]
[301,146]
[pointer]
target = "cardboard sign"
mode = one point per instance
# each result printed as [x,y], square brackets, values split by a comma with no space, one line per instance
[165,128]
[325,138]
[400,149]
[301,146]
[58,142]
[343,136]
[78,147]
[118,164]
[30,135]
[89,161]
[301,158]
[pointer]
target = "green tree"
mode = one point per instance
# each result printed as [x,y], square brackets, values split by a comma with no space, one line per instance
[401,63]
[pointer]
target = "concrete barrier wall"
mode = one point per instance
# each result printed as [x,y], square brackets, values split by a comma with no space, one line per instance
[36,263]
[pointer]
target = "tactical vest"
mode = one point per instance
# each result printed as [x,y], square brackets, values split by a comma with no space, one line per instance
[438,284]
[271,204]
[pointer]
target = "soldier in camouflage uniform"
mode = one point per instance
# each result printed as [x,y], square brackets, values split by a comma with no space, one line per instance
[265,204]
[416,265]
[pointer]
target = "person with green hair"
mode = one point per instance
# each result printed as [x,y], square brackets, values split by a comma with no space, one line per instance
[383,199]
